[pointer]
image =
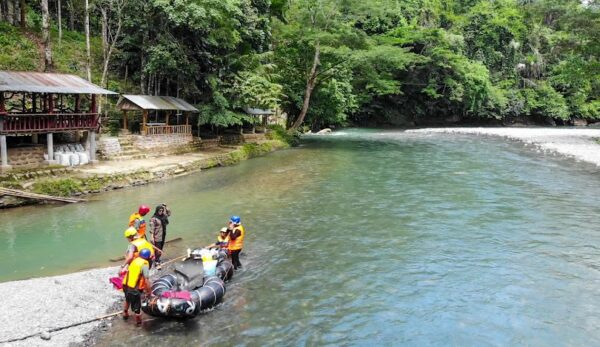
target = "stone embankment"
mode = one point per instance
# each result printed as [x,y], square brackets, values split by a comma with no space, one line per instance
[577,143]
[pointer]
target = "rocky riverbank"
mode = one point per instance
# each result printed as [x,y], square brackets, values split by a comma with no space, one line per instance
[577,143]
[39,305]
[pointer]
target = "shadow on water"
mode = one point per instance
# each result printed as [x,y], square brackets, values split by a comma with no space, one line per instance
[367,238]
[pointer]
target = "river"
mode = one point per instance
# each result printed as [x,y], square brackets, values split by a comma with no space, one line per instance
[361,238]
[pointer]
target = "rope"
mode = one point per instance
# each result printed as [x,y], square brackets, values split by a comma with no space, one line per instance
[62,328]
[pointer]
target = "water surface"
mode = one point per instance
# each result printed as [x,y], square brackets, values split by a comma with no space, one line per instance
[362,238]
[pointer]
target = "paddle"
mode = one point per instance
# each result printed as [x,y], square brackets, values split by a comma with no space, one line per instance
[114,260]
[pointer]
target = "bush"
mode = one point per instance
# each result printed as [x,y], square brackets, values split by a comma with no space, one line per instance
[279,133]
[61,187]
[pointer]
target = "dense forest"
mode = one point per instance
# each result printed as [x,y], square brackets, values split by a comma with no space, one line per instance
[326,62]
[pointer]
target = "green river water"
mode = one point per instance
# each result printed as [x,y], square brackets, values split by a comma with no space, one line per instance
[361,238]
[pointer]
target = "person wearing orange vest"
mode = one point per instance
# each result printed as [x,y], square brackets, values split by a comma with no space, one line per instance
[137,221]
[135,282]
[236,240]
[136,243]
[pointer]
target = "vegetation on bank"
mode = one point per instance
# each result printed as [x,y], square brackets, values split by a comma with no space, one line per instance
[330,62]
[70,183]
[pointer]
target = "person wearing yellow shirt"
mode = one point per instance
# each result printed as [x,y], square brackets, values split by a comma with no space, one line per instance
[136,243]
[136,282]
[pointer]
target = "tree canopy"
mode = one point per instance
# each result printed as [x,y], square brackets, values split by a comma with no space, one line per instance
[334,62]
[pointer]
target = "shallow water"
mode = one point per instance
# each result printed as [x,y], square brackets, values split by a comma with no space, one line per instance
[362,238]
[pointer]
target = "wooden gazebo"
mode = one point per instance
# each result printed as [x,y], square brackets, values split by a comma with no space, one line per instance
[169,104]
[35,103]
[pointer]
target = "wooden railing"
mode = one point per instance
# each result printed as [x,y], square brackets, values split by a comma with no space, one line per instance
[167,129]
[40,123]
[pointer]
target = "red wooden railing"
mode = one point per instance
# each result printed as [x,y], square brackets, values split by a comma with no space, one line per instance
[39,123]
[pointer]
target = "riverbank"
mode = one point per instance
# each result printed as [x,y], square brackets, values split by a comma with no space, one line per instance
[41,304]
[111,175]
[577,143]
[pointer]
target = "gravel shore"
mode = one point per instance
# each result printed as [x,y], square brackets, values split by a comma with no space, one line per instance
[40,304]
[578,143]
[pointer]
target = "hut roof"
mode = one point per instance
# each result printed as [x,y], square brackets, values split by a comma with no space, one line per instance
[258,111]
[42,82]
[149,102]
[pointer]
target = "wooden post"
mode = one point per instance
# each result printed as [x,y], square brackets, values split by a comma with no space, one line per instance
[2,106]
[50,103]
[187,118]
[77,103]
[34,102]
[93,106]
[167,118]
[144,120]
[125,120]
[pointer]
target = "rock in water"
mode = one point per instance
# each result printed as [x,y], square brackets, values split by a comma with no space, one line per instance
[45,335]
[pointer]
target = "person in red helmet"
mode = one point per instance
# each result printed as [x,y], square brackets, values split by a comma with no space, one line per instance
[137,221]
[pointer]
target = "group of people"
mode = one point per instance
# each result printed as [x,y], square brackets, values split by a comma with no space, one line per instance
[142,254]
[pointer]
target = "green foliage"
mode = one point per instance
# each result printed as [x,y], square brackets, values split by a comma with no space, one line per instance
[60,187]
[18,53]
[380,60]
[278,133]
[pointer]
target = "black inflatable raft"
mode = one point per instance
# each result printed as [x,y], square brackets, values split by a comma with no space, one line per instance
[190,288]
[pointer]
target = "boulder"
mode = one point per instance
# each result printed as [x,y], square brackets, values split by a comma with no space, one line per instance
[324,131]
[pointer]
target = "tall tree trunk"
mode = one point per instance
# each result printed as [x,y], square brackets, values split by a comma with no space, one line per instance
[87,41]
[46,36]
[310,85]
[23,21]
[3,9]
[71,14]
[16,12]
[58,7]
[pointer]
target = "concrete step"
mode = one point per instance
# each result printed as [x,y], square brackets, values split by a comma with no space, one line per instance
[127,157]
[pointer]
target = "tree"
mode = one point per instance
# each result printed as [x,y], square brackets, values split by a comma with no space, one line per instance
[88,65]
[46,36]
[112,23]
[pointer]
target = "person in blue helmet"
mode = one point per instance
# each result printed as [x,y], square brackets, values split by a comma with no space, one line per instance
[236,240]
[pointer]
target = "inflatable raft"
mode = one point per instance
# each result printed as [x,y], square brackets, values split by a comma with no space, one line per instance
[196,284]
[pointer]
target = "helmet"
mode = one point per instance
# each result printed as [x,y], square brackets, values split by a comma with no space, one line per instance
[145,253]
[235,219]
[143,210]
[130,232]
[223,230]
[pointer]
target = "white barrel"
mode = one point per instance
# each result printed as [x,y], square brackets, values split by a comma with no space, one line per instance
[65,159]
[83,158]
[73,159]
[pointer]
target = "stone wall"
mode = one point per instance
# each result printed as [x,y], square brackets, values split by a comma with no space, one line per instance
[162,141]
[109,146]
[257,137]
[26,157]
[210,143]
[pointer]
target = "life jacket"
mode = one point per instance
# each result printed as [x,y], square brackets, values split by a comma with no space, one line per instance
[141,243]
[134,278]
[141,229]
[223,242]
[238,243]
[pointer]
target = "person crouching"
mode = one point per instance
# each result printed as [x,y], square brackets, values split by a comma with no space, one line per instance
[135,282]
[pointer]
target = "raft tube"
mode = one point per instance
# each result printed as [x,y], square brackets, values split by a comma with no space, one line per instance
[187,291]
